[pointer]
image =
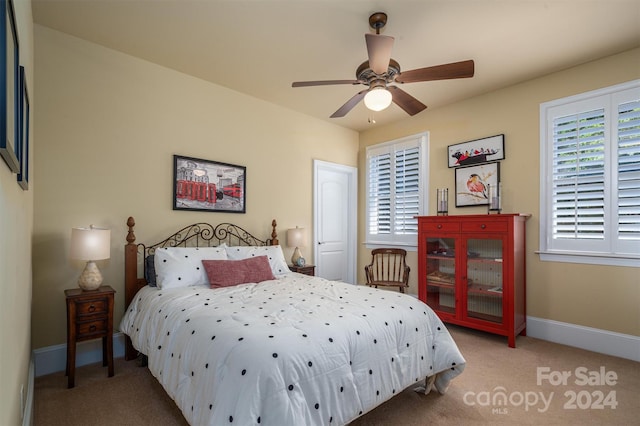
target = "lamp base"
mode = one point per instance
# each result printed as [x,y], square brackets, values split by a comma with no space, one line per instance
[91,278]
[296,255]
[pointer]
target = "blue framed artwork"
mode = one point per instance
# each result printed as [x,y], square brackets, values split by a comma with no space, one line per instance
[9,90]
[25,112]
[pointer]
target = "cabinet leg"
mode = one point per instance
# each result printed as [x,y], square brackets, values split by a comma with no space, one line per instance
[512,341]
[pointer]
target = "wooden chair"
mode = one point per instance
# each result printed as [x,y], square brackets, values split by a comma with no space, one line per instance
[388,268]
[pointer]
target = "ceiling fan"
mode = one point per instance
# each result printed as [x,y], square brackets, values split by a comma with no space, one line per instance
[380,71]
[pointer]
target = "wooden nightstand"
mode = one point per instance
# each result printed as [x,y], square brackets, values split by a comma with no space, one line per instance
[306,269]
[89,316]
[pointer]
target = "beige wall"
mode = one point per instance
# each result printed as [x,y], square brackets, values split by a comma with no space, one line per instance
[595,296]
[16,219]
[110,124]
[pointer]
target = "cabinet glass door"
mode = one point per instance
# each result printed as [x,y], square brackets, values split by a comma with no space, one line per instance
[441,274]
[484,279]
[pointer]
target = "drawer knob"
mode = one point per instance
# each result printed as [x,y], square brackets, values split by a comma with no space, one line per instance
[92,328]
[439,226]
[483,226]
[92,308]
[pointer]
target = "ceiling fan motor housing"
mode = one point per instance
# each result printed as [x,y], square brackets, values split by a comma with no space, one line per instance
[367,76]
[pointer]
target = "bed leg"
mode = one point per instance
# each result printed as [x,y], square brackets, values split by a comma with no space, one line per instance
[428,385]
[142,360]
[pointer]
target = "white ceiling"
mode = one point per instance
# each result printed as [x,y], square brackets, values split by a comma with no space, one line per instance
[259,47]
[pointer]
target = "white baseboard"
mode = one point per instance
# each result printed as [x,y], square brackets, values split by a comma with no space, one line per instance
[591,339]
[52,359]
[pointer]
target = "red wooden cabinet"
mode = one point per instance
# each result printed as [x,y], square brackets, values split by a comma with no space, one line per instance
[471,271]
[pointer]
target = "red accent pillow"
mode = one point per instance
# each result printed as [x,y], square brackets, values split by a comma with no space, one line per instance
[226,273]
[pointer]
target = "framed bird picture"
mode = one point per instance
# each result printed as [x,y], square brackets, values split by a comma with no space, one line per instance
[472,184]
[478,151]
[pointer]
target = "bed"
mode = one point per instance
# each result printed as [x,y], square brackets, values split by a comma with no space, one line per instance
[269,346]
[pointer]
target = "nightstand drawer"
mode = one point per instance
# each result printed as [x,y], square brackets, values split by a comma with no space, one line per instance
[91,328]
[92,307]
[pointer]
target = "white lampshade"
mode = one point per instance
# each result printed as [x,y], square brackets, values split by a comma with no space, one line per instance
[90,244]
[295,238]
[377,99]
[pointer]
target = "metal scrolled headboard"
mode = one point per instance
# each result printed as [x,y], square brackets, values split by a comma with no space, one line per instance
[196,235]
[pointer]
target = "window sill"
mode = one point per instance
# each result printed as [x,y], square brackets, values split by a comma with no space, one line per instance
[590,259]
[406,246]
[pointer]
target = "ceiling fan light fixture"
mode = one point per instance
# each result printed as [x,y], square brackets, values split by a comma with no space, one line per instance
[377,99]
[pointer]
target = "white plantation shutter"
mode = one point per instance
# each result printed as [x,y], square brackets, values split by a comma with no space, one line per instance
[590,175]
[407,191]
[395,185]
[578,176]
[628,199]
[379,204]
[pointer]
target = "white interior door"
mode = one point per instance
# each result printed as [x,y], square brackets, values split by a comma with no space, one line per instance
[335,203]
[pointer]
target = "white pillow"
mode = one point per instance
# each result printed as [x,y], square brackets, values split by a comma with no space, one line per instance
[182,266]
[274,254]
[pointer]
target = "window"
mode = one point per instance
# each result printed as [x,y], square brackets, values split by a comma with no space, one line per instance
[396,182]
[590,177]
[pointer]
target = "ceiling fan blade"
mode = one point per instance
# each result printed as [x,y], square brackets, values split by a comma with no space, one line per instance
[408,103]
[379,50]
[464,69]
[323,83]
[344,109]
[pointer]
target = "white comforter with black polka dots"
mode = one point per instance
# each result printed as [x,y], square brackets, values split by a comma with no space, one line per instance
[296,351]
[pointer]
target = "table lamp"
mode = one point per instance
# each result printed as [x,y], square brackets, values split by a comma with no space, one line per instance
[295,238]
[90,244]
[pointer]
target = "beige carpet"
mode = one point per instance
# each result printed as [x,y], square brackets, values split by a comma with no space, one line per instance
[134,397]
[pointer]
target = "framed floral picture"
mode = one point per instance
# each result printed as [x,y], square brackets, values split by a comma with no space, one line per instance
[208,185]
